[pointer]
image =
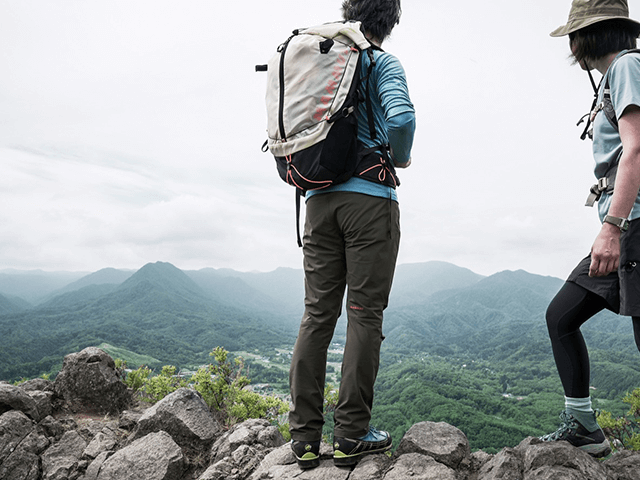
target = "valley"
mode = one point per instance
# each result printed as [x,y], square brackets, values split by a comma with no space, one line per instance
[461,348]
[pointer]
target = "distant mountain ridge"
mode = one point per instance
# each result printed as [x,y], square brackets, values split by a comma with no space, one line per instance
[34,285]
[105,276]
[15,305]
[177,316]
[173,315]
[159,311]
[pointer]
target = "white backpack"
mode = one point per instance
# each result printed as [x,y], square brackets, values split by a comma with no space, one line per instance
[313,93]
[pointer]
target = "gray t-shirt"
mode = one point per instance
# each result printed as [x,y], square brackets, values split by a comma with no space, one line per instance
[624,84]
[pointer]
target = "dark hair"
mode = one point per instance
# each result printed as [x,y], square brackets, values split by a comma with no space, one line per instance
[378,17]
[600,39]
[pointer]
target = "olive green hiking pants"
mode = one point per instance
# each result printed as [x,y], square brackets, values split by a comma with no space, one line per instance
[350,240]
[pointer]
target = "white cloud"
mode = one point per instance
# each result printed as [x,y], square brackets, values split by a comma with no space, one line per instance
[130,132]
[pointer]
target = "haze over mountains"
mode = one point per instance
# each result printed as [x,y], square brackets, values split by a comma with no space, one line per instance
[179,316]
[462,348]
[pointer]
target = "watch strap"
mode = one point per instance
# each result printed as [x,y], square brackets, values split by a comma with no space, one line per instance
[621,223]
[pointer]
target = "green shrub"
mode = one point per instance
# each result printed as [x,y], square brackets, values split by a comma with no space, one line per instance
[121,369]
[136,379]
[624,431]
[158,387]
[222,384]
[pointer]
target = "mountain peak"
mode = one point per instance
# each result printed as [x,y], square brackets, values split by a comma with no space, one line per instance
[163,276]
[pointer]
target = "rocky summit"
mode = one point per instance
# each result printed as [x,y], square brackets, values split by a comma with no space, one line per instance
[84,426]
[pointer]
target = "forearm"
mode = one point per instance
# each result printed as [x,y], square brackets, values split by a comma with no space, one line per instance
[605,252]
[401,130]
[627,184]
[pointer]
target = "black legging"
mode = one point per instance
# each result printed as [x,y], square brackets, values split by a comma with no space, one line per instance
[570,308]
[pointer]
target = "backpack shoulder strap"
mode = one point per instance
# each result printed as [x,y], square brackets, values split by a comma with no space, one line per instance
[370,118]
[606,184]
[607,105]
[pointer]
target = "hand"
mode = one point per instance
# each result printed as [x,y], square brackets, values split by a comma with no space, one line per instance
[605,252]
[403,165]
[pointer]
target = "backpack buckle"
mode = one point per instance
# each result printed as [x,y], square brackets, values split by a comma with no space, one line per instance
[603,184]
[596,191]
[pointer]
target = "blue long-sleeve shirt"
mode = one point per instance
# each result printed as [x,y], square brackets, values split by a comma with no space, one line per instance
[394,119]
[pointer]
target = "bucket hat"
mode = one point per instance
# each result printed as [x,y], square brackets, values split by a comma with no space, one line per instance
[587,12]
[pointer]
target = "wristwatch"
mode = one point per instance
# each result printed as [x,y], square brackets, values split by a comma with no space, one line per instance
[621,223]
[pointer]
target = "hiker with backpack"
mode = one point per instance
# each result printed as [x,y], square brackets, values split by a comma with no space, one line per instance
[601,37]
[344,164]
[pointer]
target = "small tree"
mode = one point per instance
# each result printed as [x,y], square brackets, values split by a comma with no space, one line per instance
[624,431]
[222,384]
[136,378]
[162,385]
[153,389]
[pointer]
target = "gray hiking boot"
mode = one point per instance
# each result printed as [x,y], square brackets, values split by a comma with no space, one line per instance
[594,443]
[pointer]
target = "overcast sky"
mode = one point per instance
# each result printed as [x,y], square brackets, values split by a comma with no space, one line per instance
[130,132]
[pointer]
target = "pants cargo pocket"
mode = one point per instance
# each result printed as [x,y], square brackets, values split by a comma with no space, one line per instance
[630,289]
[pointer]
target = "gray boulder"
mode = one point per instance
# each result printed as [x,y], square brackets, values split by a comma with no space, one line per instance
[370,467]
[88,382]
[560,460]
[15,398]
[154,457]
[251,432]
[479,459]
[51,428]
[14,426]
[37,384]
[624,465]
[42,401]
[20,447]
[62,459]
[277,458]
[506,465]
[533,459]
[326,471]
[104,441]
[242,449]
[94,467]
[184,415]
[419,467]
[128,420]
[441,441]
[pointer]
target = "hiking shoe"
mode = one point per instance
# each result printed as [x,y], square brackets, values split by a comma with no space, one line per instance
[571,430]
[346,451]
[307,453]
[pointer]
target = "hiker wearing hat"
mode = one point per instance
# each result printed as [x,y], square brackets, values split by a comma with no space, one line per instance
[601,35]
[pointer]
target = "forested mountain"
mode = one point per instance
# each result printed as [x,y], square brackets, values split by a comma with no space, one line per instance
[280,292]
[501,319]
[105,276]
[462,348]
[414,283]
[159,311]
[446,318]
[479,357]
[12,305]
[171,315]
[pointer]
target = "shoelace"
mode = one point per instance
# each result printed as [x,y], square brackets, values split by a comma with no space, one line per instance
[375,434]
[569,426]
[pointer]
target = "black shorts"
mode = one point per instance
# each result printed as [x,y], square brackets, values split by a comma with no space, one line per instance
[621,289]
